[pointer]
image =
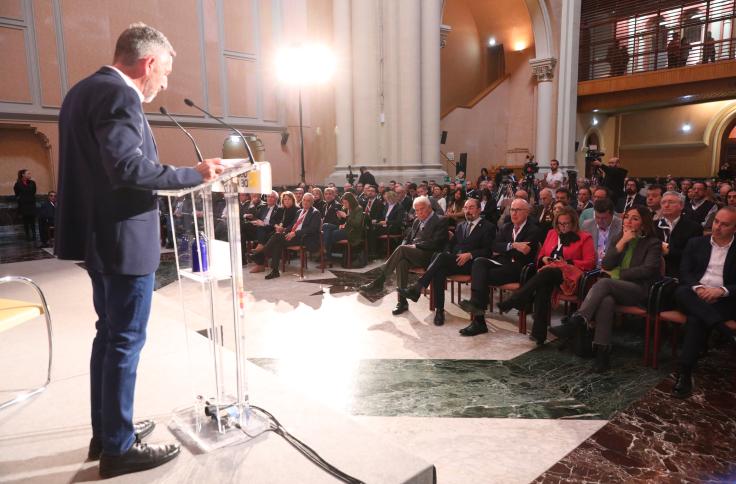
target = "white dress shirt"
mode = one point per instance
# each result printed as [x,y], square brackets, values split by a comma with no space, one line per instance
[713,276]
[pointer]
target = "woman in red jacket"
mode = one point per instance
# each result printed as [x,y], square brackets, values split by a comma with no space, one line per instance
[567,252]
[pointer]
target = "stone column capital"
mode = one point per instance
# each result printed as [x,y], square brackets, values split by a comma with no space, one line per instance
[543,70]
[444,32]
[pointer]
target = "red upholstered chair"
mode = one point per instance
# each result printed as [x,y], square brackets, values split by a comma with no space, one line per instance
[303,253]
[388,238]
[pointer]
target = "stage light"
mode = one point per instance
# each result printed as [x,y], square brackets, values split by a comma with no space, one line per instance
[686,128]
[595,122]
[305,64]
[492,42]
[519,46]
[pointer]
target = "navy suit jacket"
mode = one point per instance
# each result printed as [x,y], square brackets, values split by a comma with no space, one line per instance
[309,233]
[480,241]
[108,173]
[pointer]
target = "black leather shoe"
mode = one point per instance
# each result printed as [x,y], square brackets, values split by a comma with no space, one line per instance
[506,306]
[439,317]
[374,286]
[563,331]
[539,342]
[138,458]
[468,306]
[401,306]
[475,328]
[273,274]
[409,293]
[602,358]
[683,386]
[142,430]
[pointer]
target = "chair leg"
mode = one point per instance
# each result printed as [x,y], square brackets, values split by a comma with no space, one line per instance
[655,345]
[284,254]
[431,296]
[303,262]
[452,291]
[522,321]
[647,333]
[349,252]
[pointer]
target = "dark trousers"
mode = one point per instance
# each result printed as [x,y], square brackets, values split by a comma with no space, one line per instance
[44,226]
[601,300]
[29,226]
[485,273]
[331,233]
[123,304]
[263,233]
[404,258]
[442,265]
[539,289]
[702,318]
[274,247]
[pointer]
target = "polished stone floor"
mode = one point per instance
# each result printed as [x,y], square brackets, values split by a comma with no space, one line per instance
[493,408]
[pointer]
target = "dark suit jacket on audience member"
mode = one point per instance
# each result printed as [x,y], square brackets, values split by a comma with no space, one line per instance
[685,230]
[479,242]
[329,213]
[638,200]
[376,210]
[309,233]
[432,238]
[695,261]
[701,213]
[529,233]
[395,221]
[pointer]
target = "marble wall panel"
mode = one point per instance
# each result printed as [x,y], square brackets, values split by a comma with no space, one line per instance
[242,87]
[48,58]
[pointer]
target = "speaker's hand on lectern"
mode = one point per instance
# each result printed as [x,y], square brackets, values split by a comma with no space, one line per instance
[210,168]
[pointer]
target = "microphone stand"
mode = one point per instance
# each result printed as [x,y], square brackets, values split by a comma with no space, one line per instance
[196,148]
[190,103]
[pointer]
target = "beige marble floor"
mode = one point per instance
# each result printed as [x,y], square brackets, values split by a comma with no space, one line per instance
[45,440]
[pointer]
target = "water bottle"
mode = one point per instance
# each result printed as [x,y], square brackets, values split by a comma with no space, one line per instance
[199,251]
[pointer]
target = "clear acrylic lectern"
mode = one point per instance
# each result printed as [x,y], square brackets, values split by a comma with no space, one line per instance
[205,228]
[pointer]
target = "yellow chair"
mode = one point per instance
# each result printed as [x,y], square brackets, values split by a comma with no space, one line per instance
[14,313]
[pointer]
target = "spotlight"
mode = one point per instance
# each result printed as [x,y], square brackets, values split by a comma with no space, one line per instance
[686,128]
[492,42]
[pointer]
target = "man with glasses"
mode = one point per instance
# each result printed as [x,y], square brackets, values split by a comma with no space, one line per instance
[515,246]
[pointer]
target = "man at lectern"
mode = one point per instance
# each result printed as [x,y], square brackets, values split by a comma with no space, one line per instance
[107,216]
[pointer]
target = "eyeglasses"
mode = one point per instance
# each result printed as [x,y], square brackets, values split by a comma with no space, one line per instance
[564,224]
[519,209]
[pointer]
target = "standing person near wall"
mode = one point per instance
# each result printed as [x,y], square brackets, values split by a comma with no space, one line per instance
[25,195]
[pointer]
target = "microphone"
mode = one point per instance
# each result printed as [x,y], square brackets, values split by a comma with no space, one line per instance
[196,148]
[190,103]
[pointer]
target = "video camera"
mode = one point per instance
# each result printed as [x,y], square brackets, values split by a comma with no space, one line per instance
[531,168]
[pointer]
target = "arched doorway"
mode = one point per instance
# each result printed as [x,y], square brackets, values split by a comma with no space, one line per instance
[728,150]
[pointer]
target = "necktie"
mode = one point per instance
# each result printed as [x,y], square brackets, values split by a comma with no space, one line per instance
[517,229]
[368,207]
[666,229]
[299,221]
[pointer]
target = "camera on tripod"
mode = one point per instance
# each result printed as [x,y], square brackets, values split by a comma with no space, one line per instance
[531,168]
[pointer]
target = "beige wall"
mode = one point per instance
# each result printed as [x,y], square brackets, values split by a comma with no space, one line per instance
[499,123]
[652,143]
[462,62]
[235,79]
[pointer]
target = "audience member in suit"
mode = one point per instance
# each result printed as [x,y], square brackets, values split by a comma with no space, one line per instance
[372,210]
[584,199]
[542,214]
[352,230]
[632,198]
[46,214]
[563,195]
[598,194]
[392,218]
[707,292]
[604,227]
[282,219]
[674,230]
[633,264]
[246,213]
[428,235]
[404,199]
[613,177]
[366,177]
[654,200]
[473,238]
[515,246]
[260,227]
[438,198]
[108,216]
[699,207]
[303,230]
[423,191]
[567,252]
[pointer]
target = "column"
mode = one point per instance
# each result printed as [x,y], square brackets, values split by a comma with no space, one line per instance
[431,19]
[543,72]
[410,77]
[343,83]
[365,68]
[567,97]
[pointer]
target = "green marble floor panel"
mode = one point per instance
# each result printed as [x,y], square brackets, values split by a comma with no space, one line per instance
[543,383]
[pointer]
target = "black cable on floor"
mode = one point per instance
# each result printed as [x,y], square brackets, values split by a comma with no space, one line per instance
[276,427]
